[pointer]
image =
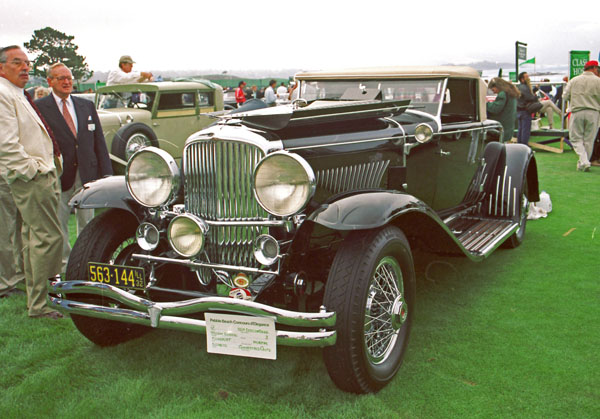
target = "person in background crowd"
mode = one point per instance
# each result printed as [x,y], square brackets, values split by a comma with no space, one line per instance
[125,74]
[504,108]
[293,92]
[254,90]
[526,105]
[546,88]
[559,93]
[240,95]
[30,162]
[548,107]
[583,93]
[76,126]
[270,96]
[282,91]
[40,92]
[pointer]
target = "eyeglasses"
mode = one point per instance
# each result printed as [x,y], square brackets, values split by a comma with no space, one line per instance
[64,78]
[18,62]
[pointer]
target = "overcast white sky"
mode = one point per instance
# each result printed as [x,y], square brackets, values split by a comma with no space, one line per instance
[310,34]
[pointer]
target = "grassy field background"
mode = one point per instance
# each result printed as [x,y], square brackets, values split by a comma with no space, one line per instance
[517,335]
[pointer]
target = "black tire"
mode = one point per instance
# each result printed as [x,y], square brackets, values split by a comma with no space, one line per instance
[106,239]
[518,236]
[363,360]
[127,137]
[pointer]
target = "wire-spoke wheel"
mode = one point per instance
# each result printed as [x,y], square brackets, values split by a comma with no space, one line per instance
[371,287]
[108,238]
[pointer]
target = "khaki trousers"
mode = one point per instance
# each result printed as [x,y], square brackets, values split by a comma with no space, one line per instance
[37,201]
[583,128]
[11,247]
[83,217]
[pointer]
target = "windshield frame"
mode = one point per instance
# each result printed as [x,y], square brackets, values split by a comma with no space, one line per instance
[391,89]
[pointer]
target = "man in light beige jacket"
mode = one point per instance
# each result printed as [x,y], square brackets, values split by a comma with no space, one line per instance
[583,95]
[31,165]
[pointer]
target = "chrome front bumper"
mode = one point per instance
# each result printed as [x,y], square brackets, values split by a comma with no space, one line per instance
[169,315]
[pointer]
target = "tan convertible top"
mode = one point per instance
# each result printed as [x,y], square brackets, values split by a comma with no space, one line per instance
[393,72]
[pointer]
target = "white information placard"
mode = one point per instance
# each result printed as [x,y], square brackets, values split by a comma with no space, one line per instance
[247,336]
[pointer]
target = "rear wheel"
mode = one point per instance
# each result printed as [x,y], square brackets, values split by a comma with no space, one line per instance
[371,287]
[108,238]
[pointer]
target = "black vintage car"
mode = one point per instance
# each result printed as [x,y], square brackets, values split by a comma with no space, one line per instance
[294,225]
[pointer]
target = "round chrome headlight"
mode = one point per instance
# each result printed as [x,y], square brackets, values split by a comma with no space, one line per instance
[283,183]
[423,133]
[266,249]
[152,177]
[186,234]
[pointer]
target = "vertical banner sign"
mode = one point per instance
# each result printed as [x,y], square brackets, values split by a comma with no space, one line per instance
[520,54]
[521,51]
[577,62]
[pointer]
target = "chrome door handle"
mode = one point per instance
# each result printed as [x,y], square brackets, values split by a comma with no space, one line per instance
[444,153]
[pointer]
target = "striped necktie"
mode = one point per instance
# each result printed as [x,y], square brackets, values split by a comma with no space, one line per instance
[68,118]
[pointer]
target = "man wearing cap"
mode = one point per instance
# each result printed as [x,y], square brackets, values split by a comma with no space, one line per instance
[583,93]
[125,75]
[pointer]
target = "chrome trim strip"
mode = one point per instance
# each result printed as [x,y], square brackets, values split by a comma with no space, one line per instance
[503,190]
[191,264]
[261,223]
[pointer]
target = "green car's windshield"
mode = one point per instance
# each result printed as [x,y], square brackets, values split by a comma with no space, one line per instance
[425,95]
[112,100]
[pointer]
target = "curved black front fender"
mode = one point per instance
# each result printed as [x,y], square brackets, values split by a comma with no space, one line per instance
[367,210]
[108,192]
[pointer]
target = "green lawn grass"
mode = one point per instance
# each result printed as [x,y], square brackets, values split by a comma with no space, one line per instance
[517,335]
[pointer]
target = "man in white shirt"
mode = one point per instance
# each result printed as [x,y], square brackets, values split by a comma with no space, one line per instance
[282,92]
[270,96]
[125,74]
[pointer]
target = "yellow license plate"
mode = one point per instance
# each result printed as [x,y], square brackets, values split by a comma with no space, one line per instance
[130,277]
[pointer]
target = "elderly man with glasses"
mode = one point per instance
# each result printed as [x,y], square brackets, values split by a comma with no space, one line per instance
[30,162]
[76,126]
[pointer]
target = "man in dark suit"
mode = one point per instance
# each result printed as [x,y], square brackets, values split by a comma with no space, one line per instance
[77,129]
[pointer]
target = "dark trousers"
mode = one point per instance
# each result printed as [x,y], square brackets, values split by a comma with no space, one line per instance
[524,131]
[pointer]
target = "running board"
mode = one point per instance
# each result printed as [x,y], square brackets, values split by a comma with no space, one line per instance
[481,236]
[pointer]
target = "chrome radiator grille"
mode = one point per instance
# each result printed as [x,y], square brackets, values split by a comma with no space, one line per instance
[218,187]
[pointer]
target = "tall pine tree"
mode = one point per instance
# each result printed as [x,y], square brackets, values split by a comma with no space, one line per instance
[52,46]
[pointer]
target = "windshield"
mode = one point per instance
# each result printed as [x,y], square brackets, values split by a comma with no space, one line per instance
[112,100]
[425,95]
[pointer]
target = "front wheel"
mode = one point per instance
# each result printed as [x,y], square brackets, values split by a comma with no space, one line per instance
[108,238]
[371,287]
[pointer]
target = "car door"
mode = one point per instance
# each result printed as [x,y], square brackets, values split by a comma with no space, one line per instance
[460,144]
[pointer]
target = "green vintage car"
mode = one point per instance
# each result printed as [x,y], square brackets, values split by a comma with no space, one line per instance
[162,114]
